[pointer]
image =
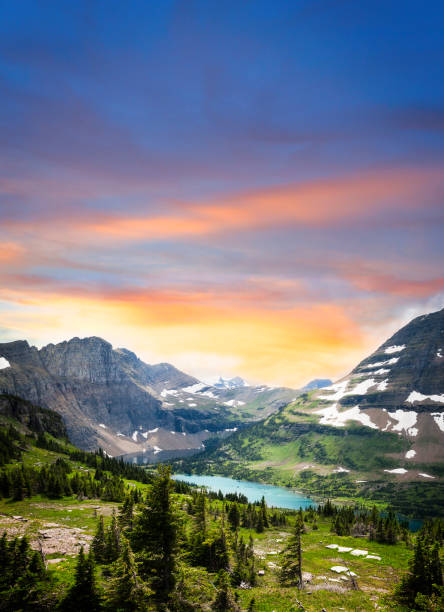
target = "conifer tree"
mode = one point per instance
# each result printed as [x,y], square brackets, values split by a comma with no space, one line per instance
[127,592]
[112,539]
[291,570]
[264,512]
[224,601]
[98,545]
[83,596]
[154,537]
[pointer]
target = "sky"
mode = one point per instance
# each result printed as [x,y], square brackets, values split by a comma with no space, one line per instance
[248,188]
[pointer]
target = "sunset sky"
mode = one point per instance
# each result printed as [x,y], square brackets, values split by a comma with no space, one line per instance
[248,188]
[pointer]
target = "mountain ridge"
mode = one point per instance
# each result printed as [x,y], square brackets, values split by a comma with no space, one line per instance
[110,398]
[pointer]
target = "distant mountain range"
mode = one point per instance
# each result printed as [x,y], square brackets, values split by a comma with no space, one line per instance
[317,383]
[111,399]
[381,424]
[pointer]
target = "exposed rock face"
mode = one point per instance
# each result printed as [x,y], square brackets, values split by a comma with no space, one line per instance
[99,391]
[411,360]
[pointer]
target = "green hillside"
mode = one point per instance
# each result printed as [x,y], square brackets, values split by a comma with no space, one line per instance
[161,545]
[291,448]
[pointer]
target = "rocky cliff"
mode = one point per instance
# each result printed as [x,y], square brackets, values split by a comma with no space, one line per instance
[107,397]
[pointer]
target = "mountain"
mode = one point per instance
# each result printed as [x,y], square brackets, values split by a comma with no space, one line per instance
[111,399]
[317,383]
[230,383]
[380,427]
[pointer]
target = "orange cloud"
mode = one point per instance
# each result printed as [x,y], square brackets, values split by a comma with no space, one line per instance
[390,284]
[316,203]
[10,252]
[288,348]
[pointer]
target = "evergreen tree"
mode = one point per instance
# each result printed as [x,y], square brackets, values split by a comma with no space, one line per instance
[112,541]
[98,545]
[224,601]
[83,596]
[127,592]
[264,512]
[234,516]
[291,570]
[154,537]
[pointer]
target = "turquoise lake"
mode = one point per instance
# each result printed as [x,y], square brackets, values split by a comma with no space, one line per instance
[274,496]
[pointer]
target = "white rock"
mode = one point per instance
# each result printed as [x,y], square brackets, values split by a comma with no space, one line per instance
[373,557]
[397,471]
[357,552]
[344,548]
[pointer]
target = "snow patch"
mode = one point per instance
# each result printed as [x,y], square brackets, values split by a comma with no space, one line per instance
[166,392]
[396,348]
[194,388]
[397,471]
[4,363]
[410,454]
[340,470]
[134,436]
[439,419]
[426,475]
[416,396]
[120,434]
[406,421]
[233,429]
[378,364]
[102,425]
[331,416]
[376,557]
[382,371]
[157,449]
[192,405]
[234,403]
[439,353]
[382,385]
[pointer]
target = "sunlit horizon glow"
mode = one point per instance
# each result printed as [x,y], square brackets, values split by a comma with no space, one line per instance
[250,189]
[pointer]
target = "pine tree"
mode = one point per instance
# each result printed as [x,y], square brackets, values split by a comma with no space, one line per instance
[127,592]
[264,512]
[154,537]
[112,540]
[234,516]
[83,596]
[224,601]
[98,545]
[291,570]
[435,566]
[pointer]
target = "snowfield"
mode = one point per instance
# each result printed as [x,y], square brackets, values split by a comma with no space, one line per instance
[416,396]
[439,419]
[394,349]
[331,416]
[4,363]
[406,421]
